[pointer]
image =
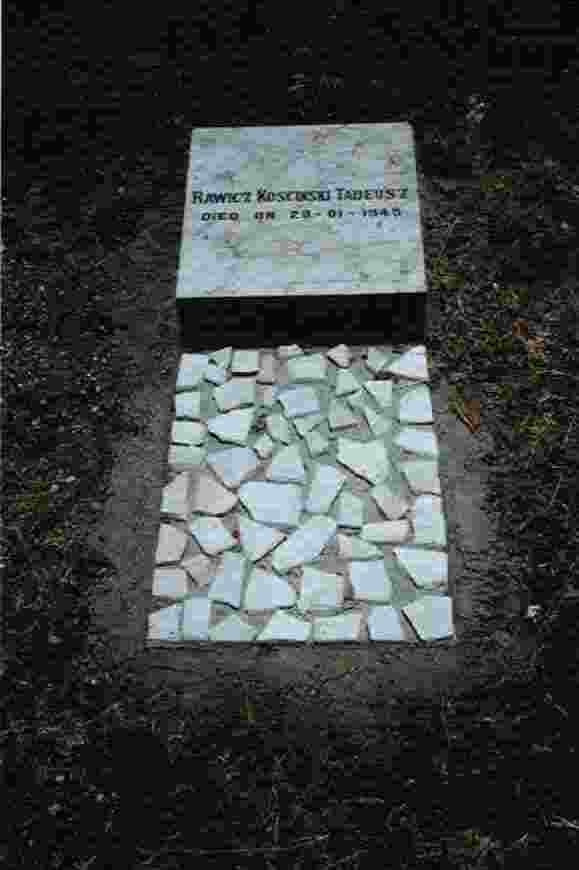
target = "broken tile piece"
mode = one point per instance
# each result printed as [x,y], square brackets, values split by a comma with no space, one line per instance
[188,405]
[235,394]
[368,460]
[307,368]
[209,497]
[431,616]
[234,465]
[267,373]
[245,362]
[287,351]
[417,441]
[274,504]
[233,628]
[415,406]
[326,485]
[370,581]
[264,446]
[299,401]
[165,624]
[266,591]
[192,368]
[384,623]
[346,383]
[257,539]
[354,548]
[181,457]
[232,427]
[186,432]
[284,626]
[382,391]
[320,590]
[211,535]
[393,506]
[350,511]
[199,567]
[196,612]
[411,365]
[427,568]
[170,583]
[306,424]
[422,476]
[339,355]
[379,425]
[316,443]
[176,501]
[340,417]
[287,466]
[357,401]
[305,544]
[343,627]
[215,374]
[171,544]
[278,428]
[376,360]
[222,357]
[386,533]
[428,521]
[227,585]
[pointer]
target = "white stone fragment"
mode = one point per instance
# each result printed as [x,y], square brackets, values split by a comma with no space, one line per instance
[386,533]
[340,355]
[228,581]
[199,568]
[415,406]
[165,624]
[376,360]
[431,617]
[233,628]
[196,612]
[306,424]
[368,460]
[370,581]
[188,405]
[287,466]
[384,623]
[257,539]
[235,394]
[267,374]
[305,544]
[274,504]
[245,362]
[354,548]
[269,396]
[346,383]
[316,443]
[278,428]
[266,591]
[379,425]
[209,497]
[232,427]
[427,568]
[344,627]
[284,626]
[170,583]
[215,374]
[350,511]
[171,544]
[417,441]
[234,465]
[189,433]
[320,590]
[183,458]
[191,372]
[299,401]
[326,485]
[381,391]
[211,535]
[176,496]
[411,365]
[422,476]
[287,351]
[307,368]
[264,446]
[392,506]
[340,417]
[428,521]
[222,357]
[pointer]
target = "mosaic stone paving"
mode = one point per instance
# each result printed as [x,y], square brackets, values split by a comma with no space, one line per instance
[304,502]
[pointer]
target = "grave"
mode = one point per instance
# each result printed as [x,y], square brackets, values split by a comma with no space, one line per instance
[304,503]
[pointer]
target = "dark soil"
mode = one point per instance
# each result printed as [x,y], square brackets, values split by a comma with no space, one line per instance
[97,136]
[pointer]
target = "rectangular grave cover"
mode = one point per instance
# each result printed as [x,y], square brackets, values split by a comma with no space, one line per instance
[301,211]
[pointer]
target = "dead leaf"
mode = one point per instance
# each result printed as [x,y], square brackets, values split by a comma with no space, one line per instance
[536,345]
[521,328]
[468,410]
